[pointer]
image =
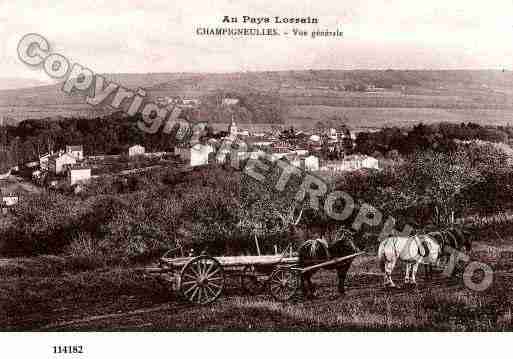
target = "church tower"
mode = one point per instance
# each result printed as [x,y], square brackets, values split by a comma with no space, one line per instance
[233,128]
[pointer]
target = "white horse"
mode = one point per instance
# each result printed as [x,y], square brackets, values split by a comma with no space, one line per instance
[424,248]
[412,250]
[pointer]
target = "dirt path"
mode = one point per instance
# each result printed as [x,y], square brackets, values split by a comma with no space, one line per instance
[85,321]
[157,317]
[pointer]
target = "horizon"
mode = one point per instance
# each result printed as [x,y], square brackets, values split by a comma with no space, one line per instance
[51,82]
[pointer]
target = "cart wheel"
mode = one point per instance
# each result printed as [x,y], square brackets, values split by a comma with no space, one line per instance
[202,280]
[250,282]
[284,283]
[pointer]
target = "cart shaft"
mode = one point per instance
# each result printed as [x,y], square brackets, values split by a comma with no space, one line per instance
[331,262]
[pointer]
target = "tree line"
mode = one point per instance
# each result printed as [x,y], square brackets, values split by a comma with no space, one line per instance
[440,137]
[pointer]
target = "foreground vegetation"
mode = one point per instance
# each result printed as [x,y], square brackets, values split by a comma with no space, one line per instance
[49,294]
[119,220]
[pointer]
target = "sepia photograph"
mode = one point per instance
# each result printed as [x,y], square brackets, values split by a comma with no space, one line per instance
[280,166]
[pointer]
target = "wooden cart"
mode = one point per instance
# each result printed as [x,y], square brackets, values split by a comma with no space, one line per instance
[201,279]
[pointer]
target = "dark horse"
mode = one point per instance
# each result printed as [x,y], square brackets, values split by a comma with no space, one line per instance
[455,238]
[315,251]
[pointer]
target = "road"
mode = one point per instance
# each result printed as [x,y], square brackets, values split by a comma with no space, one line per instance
[168,316]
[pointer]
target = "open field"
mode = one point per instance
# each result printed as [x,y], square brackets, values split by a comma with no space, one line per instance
[47,294]
[376,117]
[25,112]
[485,97]
[361,118]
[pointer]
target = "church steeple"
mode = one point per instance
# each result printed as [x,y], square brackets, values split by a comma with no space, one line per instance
[233,128]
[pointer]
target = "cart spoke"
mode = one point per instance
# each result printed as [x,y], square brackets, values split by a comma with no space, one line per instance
[207,272]
[211,292]
[202,280]
[215,285]
[282,277]
[277,290]
[199,267]
[199,295]
[209,275]
[290,285]
[191,268]
[190,288]
[194,294]
[215,279]
[204,266]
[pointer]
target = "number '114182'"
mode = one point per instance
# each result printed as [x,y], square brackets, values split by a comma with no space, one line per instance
[68,349]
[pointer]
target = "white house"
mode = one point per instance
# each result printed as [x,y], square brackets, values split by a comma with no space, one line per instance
[200,154]
[9,199]
[76,151]
[332,134]
[5,175]
[78,175]
[43,161]
[36,174]
[190,102]
[32,164]
[254,155]
[196,155]
[315,138]
[222,154]
[136,150]
[59,162]
[262,143]
[230,101]
[312,163]
[351,163]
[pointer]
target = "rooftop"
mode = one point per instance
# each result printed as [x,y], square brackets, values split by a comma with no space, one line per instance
[79,167]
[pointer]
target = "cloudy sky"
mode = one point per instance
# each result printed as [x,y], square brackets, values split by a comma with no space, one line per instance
[159,36]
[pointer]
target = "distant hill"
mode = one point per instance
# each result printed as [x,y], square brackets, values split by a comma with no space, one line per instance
[366,97]
[9,83]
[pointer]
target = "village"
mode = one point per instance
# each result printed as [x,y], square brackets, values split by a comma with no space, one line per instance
[327,152]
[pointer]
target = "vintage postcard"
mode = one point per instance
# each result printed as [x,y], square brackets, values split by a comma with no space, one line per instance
[271,166]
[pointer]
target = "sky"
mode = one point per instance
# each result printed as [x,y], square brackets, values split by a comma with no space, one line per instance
[159,36]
